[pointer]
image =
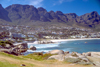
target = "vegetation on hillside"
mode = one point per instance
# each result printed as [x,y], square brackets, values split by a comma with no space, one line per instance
[3,43]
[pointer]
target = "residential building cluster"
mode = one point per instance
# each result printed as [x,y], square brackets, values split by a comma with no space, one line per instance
[27,33]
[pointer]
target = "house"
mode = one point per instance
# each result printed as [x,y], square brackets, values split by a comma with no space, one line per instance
[18,35]
[73,36]
[30,36]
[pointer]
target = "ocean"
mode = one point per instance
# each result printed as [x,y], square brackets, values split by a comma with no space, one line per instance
[79,46]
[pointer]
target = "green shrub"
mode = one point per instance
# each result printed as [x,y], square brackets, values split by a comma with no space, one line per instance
[38,53]
[3,43]
[38,56]
[46,56]
[7,42]
[12,56]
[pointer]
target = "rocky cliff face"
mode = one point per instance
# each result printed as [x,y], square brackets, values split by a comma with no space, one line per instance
[91,19]
[28,13]
[4,14]
[17,12]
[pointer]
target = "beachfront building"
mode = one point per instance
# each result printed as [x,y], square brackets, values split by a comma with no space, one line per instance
[79,36]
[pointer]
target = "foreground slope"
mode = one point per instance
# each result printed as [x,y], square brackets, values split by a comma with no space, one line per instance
[16,61]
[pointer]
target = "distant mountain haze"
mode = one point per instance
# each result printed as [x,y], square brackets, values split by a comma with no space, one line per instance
[17,13]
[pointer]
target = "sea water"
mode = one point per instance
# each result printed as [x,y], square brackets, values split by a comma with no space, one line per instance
[79,46]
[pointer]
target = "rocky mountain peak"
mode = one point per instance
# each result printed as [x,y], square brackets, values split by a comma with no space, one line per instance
[94,14]
[59,13]
[51,11]
[41,9]
[71,15]
[0,5]
[23,14]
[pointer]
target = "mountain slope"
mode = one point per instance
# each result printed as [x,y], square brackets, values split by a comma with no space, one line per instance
[91,19]
[28,14]
[4,14]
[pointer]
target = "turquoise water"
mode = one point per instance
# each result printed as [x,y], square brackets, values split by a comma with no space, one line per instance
[81,46]
[71,46]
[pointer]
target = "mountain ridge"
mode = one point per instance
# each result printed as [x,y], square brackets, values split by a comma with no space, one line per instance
[18,13]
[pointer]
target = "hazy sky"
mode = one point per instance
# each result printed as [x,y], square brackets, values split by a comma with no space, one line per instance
[79,7]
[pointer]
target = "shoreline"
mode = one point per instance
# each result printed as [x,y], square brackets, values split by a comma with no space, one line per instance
[62,40]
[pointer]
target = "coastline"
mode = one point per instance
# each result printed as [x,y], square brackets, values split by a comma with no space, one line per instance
[62,40]
[56,42]
[59,40]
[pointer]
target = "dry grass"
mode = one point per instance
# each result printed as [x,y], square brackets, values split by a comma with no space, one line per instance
[6,61]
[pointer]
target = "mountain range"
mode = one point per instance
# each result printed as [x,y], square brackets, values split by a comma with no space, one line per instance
[30,15]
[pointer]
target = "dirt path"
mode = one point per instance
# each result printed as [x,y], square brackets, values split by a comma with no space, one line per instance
[38,63]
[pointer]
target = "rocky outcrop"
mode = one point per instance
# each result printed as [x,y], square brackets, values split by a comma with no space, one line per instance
[16,50]
[32,48]
[22,46]
[57,57]
[73,57]
[8,46]
[87,54]
[94,57]
[77,58]
[59,52]
[66,52]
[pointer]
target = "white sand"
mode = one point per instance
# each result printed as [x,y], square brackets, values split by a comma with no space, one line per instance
[61,40]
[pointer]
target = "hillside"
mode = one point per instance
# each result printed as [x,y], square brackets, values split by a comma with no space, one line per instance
[32,16]
[16,61]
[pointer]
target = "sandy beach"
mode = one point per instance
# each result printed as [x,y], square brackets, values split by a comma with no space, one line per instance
[61,40]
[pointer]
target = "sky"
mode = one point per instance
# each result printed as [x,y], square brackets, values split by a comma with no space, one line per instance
[79,7]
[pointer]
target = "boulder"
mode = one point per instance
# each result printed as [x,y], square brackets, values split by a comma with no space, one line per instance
[95,54]
[74,54]
[56,52]
[22,46]
[23,65]
[78,60]
[8,46]
[88,54]
[57,57]
[15,51]
[83,54]
[32,48]
[67,52]
[75,57]
[95,58]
